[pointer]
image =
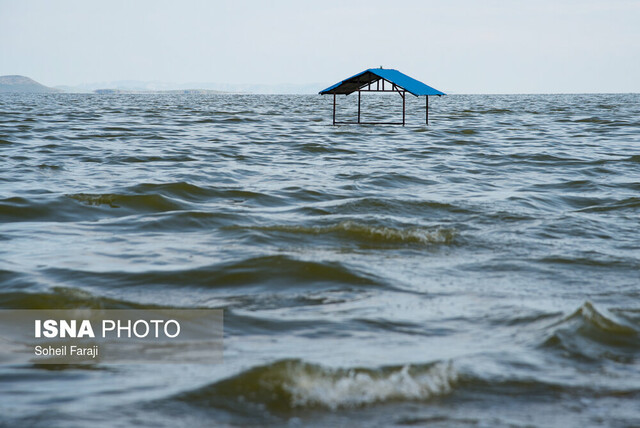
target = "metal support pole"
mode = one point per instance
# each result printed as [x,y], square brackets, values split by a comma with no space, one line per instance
[334,109]
[358,106]
[403,102]
[427,109]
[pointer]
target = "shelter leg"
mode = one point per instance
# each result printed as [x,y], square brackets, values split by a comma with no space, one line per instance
[403,103]
[334,109]
[427,109]
[358,106]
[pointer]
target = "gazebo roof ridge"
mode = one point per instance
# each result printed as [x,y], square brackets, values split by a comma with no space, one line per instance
[372,75]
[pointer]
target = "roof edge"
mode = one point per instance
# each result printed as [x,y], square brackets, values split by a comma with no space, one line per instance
[395,77]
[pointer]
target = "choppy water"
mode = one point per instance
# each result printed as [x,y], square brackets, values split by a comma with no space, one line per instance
[483,271]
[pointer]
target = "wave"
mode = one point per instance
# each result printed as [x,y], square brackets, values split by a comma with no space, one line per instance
[261,273]
[315,148]
[145,159]
[137,203]
[596,120]
[395,180]
[295,387]
[625,204]
[544,158]
[193,193]
[148,198]
[10,280]
[294,384]
[179,221]
[143,198]
[45,166]
[87,206]
[370,234]
[593,335]
[62,298]
[490,111]
[593,259]
[17,209]
[389,206]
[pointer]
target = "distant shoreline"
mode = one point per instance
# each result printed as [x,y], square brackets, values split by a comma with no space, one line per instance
[15,84]
[171,91]
[23,84]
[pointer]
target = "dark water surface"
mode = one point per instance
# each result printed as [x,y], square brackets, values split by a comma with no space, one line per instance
[483,271]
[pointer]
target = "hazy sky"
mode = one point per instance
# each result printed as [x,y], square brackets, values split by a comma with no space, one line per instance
[459,46]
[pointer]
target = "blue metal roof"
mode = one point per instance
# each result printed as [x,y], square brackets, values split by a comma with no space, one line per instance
[371,75]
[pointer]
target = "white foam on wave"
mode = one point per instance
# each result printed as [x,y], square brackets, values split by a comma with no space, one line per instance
[414,234]
[380,234]
[354,388]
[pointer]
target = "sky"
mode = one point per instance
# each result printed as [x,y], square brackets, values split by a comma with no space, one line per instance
[458,46]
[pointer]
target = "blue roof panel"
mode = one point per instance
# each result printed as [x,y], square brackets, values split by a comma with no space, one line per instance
[362,79]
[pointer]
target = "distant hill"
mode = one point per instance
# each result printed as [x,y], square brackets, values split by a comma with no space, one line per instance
[138,86]
[22,84]
[174,91]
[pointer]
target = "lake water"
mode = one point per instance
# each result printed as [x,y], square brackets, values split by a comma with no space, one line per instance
[482,271]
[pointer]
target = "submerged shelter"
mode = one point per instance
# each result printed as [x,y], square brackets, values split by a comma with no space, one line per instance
[373,80]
